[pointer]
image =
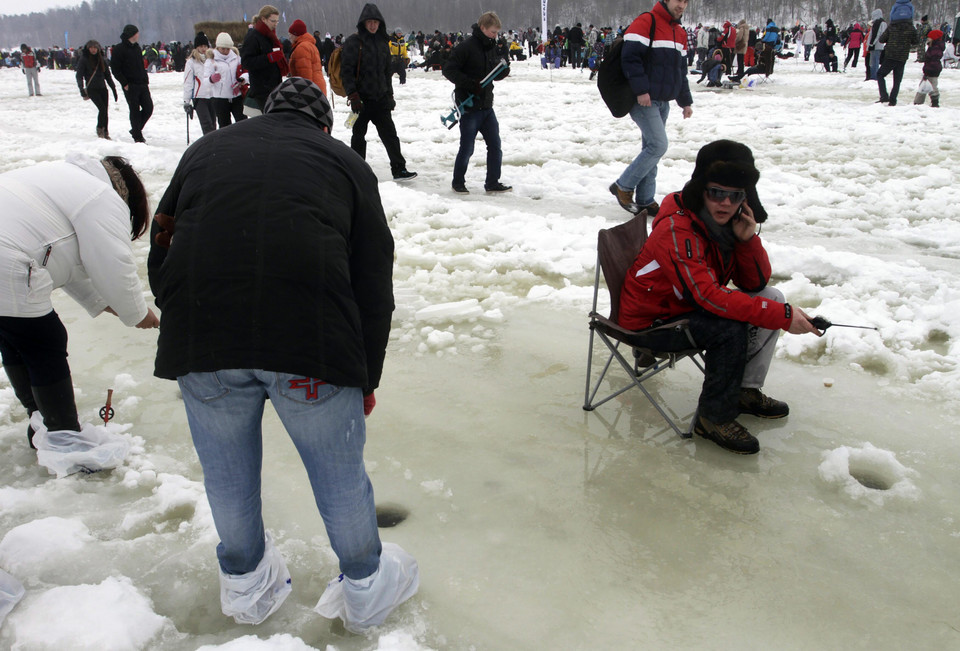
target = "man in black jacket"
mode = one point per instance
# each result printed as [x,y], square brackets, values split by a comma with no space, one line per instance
[278,283]
[367,79]
[469,63]
[127,66]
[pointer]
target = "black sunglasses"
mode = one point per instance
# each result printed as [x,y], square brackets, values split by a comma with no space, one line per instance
[719,194]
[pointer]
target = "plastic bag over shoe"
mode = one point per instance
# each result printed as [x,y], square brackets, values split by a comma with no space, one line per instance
[252,597]
[365,603]
[65,452]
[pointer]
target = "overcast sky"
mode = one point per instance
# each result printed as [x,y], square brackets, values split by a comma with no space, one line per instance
[10,7]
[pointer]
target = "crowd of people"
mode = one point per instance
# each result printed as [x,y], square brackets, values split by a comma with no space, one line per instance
[310,334]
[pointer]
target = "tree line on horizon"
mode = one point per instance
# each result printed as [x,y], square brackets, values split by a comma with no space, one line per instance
[173,20]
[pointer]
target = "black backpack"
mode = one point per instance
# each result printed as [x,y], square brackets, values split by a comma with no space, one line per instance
[612,83]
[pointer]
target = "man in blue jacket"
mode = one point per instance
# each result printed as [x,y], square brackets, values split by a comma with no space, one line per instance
[657,71]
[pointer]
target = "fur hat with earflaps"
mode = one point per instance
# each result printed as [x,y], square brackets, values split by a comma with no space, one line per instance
[727,163]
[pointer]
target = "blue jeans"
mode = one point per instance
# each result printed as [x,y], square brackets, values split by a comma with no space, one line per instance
[325,422]
[642,172]
[484,122]
[874,63]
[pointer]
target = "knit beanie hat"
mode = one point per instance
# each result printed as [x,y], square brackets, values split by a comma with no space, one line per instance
[728,163]
[935,35]
[128,31]
[201,39]
[224,40]
[298,27]
[299,94]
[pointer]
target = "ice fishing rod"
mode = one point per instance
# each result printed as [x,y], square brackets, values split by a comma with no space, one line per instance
[451,120]
[106,411]
[821,323]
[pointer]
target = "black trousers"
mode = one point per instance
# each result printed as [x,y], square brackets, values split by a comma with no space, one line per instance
[141,107]
[38,343]
[888,66]
[101,100]
[204,110]
[382,118]
[724,342]
[227,110]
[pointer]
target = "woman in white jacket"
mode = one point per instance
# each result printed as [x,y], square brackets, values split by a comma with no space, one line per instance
[196,85]
[65,225]
[223,69]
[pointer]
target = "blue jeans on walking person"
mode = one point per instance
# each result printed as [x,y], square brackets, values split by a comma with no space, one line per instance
[485,123]
[325,422]
[642,172]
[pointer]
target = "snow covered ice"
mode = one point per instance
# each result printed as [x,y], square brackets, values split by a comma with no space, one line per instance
[537,525]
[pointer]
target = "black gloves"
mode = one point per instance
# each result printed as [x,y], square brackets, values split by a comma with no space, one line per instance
[355,103]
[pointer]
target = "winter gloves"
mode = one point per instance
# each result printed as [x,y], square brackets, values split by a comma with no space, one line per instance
[275,57]
[355,103]
[188,109]
[369,402]
[215,77]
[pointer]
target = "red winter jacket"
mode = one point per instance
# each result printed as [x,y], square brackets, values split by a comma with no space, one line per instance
[680,269]
[729,37]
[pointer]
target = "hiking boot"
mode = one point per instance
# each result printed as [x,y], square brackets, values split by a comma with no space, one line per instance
[935,101]
[755,403]
[730,436]
[652,208]
[404,175]
[460,188]
[498,187]
[624,199]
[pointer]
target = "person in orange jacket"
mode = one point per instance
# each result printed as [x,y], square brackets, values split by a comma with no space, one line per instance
[305,58]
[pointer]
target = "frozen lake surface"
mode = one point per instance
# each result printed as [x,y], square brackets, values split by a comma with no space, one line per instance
[536,524]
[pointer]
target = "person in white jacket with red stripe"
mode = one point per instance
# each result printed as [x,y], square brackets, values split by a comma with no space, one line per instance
[65,225]
[196,85]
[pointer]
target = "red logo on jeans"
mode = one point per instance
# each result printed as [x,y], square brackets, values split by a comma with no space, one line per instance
[308,383]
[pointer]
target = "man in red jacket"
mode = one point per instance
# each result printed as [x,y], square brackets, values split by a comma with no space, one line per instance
[704,237]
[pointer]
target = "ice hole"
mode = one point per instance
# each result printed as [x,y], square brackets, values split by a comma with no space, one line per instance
[873,472]
[390,515]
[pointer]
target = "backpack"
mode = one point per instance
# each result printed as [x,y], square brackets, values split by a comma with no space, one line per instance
[333,70]
[612,83]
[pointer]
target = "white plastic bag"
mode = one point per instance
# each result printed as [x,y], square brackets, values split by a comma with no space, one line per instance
[365,603]
[925,87]
[252,597]
[91,449]
[11,592]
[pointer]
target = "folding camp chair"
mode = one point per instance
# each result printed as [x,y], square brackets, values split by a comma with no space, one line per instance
[617,248]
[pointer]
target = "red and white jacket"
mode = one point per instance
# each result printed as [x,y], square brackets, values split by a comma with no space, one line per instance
[681,269]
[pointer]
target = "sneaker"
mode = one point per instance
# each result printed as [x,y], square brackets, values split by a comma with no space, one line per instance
[755,403]
[460,188]
[624,199]
[730,436]
[404,175]
[498,187]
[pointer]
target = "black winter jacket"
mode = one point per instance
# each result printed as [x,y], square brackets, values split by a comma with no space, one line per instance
[127,64]
[365,62]
[470,62]
[281,258]
[264,74]
[91,75]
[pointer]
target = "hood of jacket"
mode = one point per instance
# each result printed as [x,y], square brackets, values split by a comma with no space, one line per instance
[371,12]
[877,14]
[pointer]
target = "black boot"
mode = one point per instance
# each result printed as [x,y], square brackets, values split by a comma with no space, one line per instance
[20,381]
[57,405]
[935,101]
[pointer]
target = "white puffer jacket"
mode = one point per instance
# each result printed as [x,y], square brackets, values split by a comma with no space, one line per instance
[62,225]
[226,66]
